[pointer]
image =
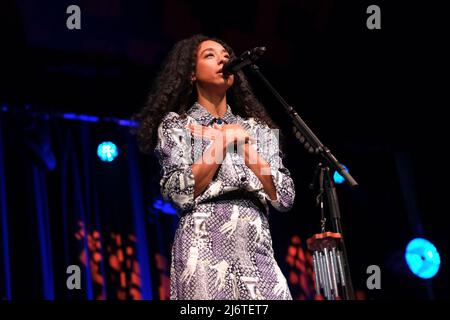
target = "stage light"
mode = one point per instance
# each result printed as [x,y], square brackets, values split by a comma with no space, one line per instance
[164,207]
[81,117]
[338,179]
[422,258]
[107,151]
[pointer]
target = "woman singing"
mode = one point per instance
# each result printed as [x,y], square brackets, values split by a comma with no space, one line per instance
[221,167]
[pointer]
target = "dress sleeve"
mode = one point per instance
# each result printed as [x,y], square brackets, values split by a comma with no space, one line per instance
[281,176]
[173,150]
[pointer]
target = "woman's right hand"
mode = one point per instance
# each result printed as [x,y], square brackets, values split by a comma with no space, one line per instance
[228,133]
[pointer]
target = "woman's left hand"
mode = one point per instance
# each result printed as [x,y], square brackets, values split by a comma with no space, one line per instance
[205,132]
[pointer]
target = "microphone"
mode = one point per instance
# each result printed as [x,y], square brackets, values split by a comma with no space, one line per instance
[235,64]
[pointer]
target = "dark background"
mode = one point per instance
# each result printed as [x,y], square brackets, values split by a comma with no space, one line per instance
[376,98]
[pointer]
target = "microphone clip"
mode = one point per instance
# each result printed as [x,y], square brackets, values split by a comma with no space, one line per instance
[246,58]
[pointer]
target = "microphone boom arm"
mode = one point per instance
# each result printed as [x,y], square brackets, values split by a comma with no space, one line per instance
[307,133]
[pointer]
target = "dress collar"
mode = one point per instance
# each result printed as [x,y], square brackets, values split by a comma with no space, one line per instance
[202,116]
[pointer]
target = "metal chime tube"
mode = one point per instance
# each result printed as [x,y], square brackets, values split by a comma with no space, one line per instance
[336,267]
[319,272]
[326,275]
[329,272]
[322,273]
[341,268]
[334,274]
[316,272]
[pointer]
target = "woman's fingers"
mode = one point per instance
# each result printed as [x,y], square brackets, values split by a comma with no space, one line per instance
[233,132]
[236,133]
[204,132]
[195,127]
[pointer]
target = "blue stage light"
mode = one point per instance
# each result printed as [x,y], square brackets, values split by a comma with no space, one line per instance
[422,258]
[164,206]
[107,151]
[338,179]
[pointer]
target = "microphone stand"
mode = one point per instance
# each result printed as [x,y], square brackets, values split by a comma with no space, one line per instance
[314,145]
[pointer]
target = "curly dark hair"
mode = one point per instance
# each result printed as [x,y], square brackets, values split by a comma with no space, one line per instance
[174,91]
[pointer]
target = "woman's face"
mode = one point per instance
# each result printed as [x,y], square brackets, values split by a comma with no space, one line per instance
[211,57]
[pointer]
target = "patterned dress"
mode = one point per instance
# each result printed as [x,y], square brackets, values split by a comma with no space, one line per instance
[222,247]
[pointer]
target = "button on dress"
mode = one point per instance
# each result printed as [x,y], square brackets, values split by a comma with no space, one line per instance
[222,247]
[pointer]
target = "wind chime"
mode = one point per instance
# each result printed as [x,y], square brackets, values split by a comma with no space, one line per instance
[331,272]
